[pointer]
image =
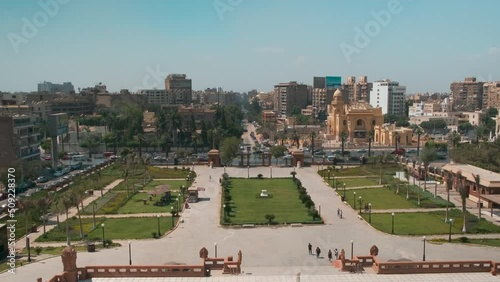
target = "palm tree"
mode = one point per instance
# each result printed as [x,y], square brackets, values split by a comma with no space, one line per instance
[464,194]
[43,205]
[428,156]
[312,135]
[76,198]
[57,206]
[369,135]
[66,201]
[419,132]
[24,205]
[449,186]
[396,138]
[343,137]
[477,180]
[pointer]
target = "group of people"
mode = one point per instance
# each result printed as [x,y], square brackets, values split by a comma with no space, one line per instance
[339,213]
[318,252]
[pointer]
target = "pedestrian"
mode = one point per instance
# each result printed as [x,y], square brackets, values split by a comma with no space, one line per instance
[318,252]
[210,178]
[340,214]
[330,255]
[336,254]
[310,247]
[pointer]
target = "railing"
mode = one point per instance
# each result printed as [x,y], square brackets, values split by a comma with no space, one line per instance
[57,278]
[365,260]
[146,271]
[431,267]
[495,269]
[214,263]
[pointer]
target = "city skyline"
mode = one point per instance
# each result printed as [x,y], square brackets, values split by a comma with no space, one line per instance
[135,45]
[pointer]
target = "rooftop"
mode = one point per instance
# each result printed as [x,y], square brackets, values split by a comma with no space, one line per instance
[487,178]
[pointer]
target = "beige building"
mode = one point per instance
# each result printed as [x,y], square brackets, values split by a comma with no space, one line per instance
[357,91]
[268,116]
[497,132]
[199,114]
[289,95]
[355,119]
[20,138]
[387,135]
[467,94]
[491,95]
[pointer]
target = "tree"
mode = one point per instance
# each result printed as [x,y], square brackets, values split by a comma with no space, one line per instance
[278,152]
[477,180]
[229,149]
[293,173]
[369,135]
[76,198]
[92,142]
[295,111]
[419,133]
[396,138]
[464,194]
[428,156]
[43,205]
[312,135]
[434,124]
[110,138]
[343,137]
[403,122]
[46,145]
[465,127]
[449,185]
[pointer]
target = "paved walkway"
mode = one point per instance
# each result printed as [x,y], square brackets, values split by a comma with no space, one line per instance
[280,251]
[21,242]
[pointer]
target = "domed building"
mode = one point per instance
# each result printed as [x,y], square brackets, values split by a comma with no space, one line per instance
[355,119]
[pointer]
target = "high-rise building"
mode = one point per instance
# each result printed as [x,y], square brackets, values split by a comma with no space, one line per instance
[388,95]
[20,139]
[491,95]
[53,88]
[319,82]
[357,91]
[467,94]
[288,95]
[180,87]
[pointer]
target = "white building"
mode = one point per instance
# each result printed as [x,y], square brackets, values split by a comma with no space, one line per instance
[416,110]
[388,95]
[157,96]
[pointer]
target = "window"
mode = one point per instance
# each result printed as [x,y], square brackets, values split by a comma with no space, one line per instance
[344,122]
[359,122]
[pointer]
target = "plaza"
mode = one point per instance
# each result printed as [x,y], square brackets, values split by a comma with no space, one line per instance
[277,251]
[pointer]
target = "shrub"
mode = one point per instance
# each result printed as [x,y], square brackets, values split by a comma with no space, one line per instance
[260,176]
[270,217]
[38,250]
[153,234]
[463,239]
[108,242]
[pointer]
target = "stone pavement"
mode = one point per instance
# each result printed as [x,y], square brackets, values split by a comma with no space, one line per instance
[281,251]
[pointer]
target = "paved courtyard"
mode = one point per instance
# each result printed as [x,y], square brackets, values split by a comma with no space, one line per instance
[275,251]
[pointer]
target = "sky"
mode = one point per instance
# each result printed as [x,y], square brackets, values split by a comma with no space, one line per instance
[241,45]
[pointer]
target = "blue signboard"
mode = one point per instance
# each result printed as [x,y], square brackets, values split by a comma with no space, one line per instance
[333,82]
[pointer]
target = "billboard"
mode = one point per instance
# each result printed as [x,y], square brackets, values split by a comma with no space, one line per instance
[333,81]
[58,124]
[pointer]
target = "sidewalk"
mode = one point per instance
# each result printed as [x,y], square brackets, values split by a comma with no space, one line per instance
[21,242]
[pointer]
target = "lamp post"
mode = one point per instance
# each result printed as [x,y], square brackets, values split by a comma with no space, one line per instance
[28,247]
[344,191]
[436,183]
[248,171]
[369,212]
[450,221]
[215,247]
[424,249]
[354,198]
[360,203]
[187,181]
[271,171]
[93,212]
[178,204]
[172,213]
[158,217]
[129,253]
[352,248]
[103,241]
[224,210]
[392,231]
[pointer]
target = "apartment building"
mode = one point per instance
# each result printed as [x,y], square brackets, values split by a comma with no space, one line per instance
[20,138]
[491,95]
[53,88]
[357,91]
[288,95]
[180,87]
[467,94]
[389,96]
[198,113]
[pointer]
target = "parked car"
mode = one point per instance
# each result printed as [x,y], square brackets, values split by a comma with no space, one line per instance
[42,179]
[76,166]
[48,158]
[362,151]
[399,151]
[287,157]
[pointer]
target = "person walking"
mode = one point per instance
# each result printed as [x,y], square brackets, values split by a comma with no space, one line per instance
[336,254]
[318,252]
[340,214]
[210,178]
[330,255]
[310,247]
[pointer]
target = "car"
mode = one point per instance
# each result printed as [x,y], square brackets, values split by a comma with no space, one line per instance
[159,158]
[42,179]
[411,151]
[331,158]
[48,158]
[399,151]
[113,157]
[362,151]
[287,157]
[76,166]
[67,177]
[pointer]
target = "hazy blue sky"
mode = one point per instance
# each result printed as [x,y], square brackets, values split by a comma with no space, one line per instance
[246,44]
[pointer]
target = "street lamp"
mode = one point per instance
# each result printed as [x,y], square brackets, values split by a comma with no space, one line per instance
[224,207]
[178,204]
[354,198]
[271,170]
[369,212]
[172,213]
[28,247]
[93,212]
[352,248]
[215,246]
[103,242]
[129,253]
[360,203]
[248,171]
[187,181]
[158,217]
[344,191]
[450,221]
[392,214]
[424,249]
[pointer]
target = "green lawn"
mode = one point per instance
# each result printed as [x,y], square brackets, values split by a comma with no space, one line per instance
[429,223]
[353,182]
[176,172]
[380,198]
[108,204]
[115,228]
[174,184]
[484,242]
[136,204]
[364,170]
[284,202]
